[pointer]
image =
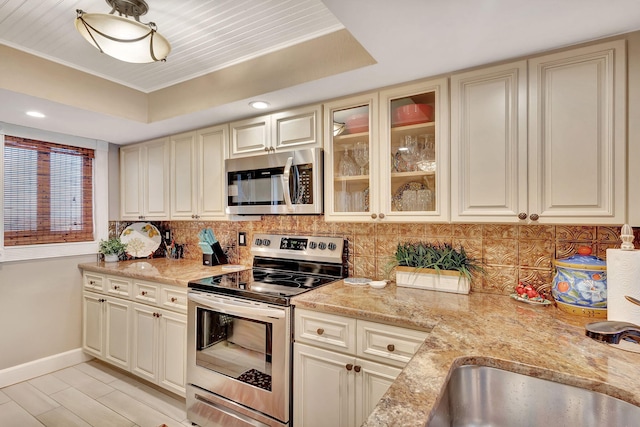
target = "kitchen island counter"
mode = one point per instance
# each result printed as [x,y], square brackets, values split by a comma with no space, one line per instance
[176,272]
[484,329]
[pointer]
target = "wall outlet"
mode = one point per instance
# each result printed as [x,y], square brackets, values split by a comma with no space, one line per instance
[242,238]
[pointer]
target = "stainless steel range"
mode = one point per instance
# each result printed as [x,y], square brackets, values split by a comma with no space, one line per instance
[239,344]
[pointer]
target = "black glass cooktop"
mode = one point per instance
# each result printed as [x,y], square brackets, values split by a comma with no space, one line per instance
[269,285]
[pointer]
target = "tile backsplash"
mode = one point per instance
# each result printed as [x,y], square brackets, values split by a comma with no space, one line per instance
[509,252]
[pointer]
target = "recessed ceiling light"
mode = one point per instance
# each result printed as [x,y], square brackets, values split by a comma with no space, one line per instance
[37,114]
[259,105]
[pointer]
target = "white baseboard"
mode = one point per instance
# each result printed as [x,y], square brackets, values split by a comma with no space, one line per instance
[46,365]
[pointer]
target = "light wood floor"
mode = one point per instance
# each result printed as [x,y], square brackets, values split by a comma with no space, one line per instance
[88,394]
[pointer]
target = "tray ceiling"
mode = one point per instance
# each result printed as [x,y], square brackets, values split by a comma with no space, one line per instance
[205,35]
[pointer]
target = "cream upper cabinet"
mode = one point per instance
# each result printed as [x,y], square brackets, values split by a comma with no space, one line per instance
[144,180]
[577,135]
[350,131]
[387,157]
[489,144]
[568,166]
[197,174]
[283,131]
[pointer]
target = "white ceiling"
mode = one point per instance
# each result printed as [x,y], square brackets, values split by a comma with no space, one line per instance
[409,39]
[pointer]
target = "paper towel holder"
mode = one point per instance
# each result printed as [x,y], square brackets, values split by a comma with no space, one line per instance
[626,235]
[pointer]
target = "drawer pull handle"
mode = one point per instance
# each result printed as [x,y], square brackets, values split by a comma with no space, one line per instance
[174,299]
[391,347]
[320,331]
[349,366]
[92,282]
[116,287]
[357,368]
[143,293]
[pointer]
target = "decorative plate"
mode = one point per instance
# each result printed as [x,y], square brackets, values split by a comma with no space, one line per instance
[532,301]
[357,281]
[396,201]
[142,239]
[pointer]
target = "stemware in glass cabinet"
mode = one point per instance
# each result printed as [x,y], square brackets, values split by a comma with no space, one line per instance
[413,153]
[350,153]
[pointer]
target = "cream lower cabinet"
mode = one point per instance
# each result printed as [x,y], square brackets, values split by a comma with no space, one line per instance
[542,140]
[105,331]
[142,330]
[158,349]
[343,366]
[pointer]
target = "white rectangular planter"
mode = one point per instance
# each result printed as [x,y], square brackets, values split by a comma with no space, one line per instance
[424,278]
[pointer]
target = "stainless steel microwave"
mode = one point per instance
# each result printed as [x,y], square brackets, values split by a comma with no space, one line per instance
[277,183]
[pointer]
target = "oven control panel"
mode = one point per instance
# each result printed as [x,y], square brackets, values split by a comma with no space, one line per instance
[311,248]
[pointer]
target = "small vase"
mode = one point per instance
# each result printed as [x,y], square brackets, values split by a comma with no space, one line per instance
[111,257]
[425,278]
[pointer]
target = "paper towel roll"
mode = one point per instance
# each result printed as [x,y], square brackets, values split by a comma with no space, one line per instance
[623,278]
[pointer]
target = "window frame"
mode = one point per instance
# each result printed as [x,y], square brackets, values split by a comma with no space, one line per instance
[100,197]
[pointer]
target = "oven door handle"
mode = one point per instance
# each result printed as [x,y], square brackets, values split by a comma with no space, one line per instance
[285,184]
[229,307]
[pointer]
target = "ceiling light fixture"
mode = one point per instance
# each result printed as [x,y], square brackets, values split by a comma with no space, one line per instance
[37,114]
[122,38]
[259,105]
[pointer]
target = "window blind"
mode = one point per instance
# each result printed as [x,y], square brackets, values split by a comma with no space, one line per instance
[48,192]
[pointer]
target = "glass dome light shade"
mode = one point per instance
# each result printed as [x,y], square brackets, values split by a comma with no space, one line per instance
[122,38]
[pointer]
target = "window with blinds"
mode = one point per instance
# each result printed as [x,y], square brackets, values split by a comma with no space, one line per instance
[48,192]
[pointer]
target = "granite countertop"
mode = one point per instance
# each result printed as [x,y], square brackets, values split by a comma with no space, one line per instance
[169,271]
[491,330]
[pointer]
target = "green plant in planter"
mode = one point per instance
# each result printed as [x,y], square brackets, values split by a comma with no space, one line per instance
[437,256]
[113,246]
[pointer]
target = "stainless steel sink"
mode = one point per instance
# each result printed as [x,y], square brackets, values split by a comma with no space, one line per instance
[490,397]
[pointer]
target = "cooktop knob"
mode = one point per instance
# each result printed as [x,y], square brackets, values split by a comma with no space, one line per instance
[258,242]
[266,242]
[322,246]
[332,246]
[313,245]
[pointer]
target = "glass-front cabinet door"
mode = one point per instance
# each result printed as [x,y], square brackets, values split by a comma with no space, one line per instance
[387,157]
[415,167]
[350,161]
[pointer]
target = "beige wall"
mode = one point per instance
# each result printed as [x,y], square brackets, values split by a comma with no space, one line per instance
[40,308]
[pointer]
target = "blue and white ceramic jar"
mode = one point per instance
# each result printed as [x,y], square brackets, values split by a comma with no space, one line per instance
[580,284]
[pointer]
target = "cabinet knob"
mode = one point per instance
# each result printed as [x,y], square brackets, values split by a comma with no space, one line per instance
[381,215]
[101,300]
[116,287]
[92,282]
[374,216]
[391,347]
[320,331]
[174,299]
[357,368]
[266,149]
[349,366]
[143,293]
[534,217]
[522,215]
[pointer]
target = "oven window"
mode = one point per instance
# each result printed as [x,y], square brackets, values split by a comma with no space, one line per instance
[237,347]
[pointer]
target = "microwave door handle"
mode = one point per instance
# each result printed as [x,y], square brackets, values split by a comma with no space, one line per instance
[235,309]
[285,184]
